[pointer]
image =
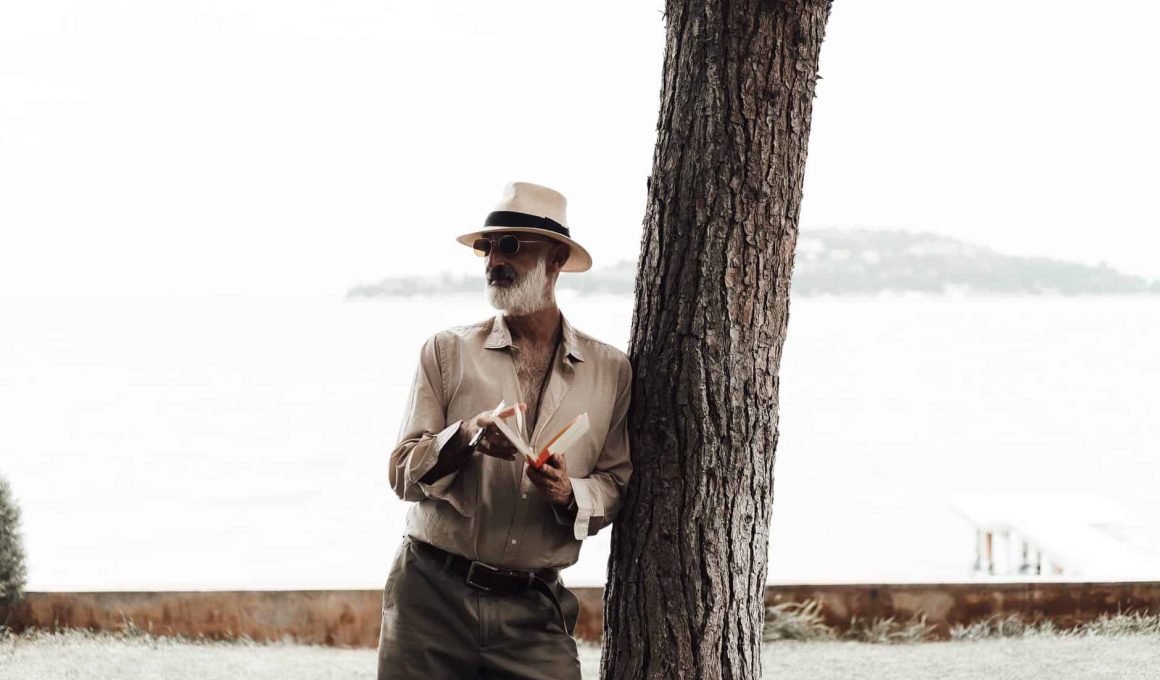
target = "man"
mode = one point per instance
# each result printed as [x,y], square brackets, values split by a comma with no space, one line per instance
[475,589]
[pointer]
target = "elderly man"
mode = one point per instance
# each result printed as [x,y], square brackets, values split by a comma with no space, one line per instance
[475,589]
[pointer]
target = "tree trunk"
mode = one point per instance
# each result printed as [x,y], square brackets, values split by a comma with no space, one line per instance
[689,547]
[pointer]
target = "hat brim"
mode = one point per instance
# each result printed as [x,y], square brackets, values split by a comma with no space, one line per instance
[578,258]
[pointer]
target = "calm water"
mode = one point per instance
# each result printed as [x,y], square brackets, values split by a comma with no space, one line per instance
[211,445]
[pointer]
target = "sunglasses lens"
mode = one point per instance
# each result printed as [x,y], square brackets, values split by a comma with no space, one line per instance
[482,247]
[509,244]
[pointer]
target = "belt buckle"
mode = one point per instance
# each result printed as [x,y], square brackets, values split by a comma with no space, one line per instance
[531,575]
[471,573]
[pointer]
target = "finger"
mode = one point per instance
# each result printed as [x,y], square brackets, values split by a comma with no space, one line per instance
[502,448]
[501,443]
[542,468]
[549,473]
[489,448]
[498,441]
[511,410]
[551,468]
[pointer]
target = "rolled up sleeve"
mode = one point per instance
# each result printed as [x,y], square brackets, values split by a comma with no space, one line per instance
[598,496]
[423,435]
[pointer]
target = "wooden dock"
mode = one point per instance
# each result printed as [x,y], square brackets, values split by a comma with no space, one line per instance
[1031,535]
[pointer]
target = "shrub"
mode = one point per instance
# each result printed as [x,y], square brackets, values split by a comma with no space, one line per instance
[889,631]
[1122,623]
[796,621]
[12,569]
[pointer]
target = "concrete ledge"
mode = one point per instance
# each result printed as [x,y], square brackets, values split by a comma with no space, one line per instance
[344,618]
[350,618]
[946,604]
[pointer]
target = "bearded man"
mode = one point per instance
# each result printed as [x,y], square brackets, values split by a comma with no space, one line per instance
[475,588]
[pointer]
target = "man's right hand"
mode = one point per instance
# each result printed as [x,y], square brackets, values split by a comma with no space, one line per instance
[493,443]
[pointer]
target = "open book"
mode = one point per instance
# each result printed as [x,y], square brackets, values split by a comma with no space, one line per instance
[566,437]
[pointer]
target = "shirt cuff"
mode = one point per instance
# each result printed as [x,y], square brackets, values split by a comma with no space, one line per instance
[587,504]
[439,487]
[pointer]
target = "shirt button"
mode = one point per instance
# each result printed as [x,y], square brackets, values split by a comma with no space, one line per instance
[513,541]
[524,496]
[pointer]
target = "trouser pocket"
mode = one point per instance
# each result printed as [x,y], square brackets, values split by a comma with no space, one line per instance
[570,605]
[393,575]
[566,604]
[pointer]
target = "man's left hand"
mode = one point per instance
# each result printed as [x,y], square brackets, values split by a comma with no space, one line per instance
[553,479]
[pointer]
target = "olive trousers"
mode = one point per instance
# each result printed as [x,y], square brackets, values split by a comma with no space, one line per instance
[437,626]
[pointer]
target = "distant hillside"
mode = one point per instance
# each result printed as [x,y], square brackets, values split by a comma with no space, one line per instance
[856,262]
[841,261]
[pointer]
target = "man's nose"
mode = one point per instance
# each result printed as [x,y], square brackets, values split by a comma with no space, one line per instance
[495,258]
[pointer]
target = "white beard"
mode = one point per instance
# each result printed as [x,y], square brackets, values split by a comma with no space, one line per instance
[528,294]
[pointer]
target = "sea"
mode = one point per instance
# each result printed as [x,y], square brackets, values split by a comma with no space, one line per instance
[244,445]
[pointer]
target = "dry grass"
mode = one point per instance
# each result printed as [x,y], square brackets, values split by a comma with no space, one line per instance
[1107,625]
[796,621]
[888,631]
[132,654]
[1125,657]
[1116,647]
[1010,626]
[803,621]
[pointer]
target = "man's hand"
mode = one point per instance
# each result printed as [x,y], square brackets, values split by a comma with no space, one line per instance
[553,479]
[493,443]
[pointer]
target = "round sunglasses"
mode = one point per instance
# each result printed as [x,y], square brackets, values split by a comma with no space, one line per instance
[508,245]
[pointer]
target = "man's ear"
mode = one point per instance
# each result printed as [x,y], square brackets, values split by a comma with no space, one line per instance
[560,253]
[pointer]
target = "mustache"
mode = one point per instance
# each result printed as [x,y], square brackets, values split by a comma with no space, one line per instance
[502,273]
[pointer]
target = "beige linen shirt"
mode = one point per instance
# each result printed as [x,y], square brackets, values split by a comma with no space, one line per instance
[489,510]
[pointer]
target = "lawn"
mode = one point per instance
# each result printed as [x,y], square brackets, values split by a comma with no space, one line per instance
[76,654]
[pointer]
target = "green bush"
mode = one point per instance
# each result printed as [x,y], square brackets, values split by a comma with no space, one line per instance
[12,570]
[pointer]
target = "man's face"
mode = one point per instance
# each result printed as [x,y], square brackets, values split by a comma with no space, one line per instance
[522,282]
[506,270]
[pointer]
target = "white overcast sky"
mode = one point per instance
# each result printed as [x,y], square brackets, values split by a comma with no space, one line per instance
[291,149]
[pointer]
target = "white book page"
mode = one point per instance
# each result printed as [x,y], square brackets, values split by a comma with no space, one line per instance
[514,437]
[574,430]
[521,423]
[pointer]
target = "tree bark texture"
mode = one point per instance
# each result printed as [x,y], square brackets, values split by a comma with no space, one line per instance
[689,553]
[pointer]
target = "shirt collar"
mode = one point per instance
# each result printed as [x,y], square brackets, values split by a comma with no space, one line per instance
[501,337]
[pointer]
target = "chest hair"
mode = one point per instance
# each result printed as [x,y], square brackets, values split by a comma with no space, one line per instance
[532,364]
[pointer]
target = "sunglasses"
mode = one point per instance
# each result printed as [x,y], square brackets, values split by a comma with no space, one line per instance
[508,245]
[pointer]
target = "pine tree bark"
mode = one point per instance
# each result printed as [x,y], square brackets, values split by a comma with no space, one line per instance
[689,546]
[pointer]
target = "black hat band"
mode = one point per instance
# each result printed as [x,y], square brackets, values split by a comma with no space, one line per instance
[509,218]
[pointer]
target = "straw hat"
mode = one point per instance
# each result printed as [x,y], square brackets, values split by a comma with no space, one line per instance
[533,209]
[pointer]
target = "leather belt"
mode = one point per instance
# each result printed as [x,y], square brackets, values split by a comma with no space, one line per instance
[491,579]
[486,577]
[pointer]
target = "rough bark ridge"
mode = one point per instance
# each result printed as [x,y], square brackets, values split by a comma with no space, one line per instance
[688,564]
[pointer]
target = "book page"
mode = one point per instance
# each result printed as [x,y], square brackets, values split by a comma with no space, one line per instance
[566,437]
[514,437]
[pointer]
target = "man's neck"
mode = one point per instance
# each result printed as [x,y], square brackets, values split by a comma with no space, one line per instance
[539,328]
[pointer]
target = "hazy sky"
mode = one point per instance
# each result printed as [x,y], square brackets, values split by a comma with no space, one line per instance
[280,148]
